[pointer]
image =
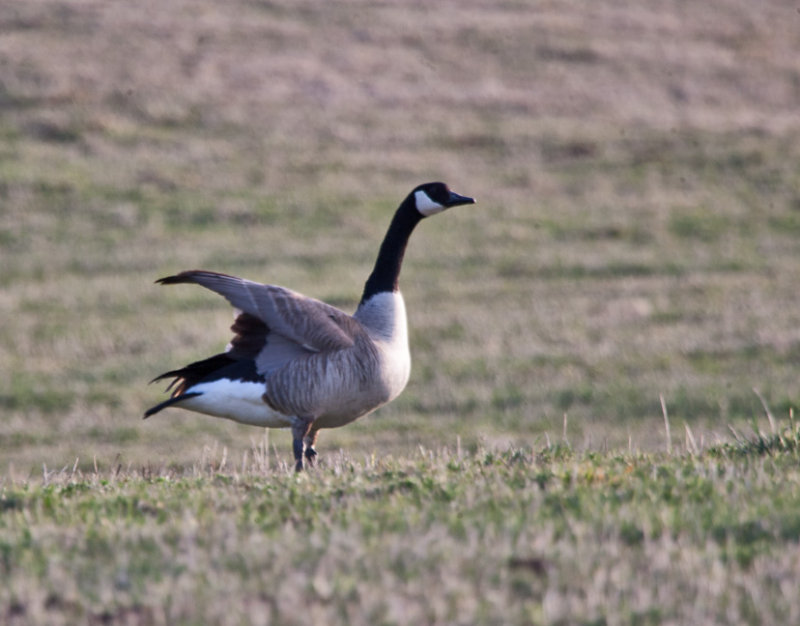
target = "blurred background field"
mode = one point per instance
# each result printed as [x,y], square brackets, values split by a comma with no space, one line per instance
[637,167]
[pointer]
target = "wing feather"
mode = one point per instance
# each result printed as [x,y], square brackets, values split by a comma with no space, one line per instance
[307,322]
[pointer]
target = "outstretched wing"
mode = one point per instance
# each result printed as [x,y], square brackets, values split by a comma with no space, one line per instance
[297,319]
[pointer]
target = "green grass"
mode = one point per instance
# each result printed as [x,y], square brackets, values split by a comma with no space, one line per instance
[519,536]
[636,237]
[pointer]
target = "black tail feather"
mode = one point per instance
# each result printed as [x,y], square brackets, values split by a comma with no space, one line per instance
[186,377]
[170,402]
[217,366]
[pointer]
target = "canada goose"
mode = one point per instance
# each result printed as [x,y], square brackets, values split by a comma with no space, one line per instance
[297,362]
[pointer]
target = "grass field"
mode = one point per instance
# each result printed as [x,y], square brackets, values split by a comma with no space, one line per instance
[511,537]
[638,176]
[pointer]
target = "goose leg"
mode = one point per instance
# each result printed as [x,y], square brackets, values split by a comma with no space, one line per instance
[300,430]
[310,440]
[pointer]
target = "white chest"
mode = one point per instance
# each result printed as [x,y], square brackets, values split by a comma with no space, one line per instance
[384,317]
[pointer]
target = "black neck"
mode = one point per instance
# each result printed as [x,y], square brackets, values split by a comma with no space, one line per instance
[386,272]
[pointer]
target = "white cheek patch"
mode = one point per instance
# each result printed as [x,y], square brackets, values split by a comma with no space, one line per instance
[425,205]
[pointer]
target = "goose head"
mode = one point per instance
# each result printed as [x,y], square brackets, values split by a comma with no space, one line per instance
[432,198]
